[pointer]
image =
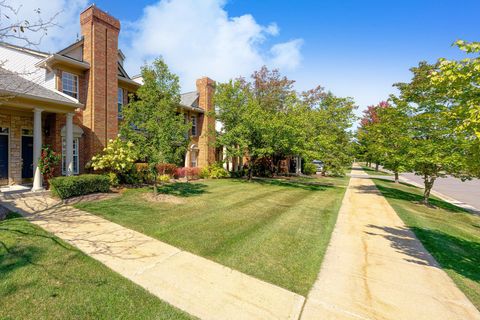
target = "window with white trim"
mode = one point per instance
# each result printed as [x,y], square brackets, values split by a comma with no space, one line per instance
[70,84]
[193,159]
[76,164]
[194,125]
[120,103]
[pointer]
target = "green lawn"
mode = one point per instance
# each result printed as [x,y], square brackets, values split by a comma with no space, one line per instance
[275,230]
[44,278]
[371,171]
[449,233]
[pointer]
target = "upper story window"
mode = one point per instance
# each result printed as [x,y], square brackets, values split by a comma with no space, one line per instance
[194,125]
[120,102]
[70,84]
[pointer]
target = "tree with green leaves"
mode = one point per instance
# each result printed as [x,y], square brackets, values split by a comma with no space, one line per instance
[260,117]
[436,149]
[327,124]
[368,137]
[152,120]
[392,135]
[457,84]
[266,118]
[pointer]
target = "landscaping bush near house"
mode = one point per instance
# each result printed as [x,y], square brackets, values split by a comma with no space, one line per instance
[309,169]
[166,168]
[189,173]
[67,187]
[214,171]
[144,173]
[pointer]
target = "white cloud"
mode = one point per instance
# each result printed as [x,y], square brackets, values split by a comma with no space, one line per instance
[199,38]
[287,55]
[66,13]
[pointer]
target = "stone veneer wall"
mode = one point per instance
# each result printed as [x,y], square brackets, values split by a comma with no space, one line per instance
[15,123]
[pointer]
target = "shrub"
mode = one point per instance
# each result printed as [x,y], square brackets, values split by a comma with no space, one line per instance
[113,179]
[163,178]
[144,173]
[214,171]
[117,157]
[66,187]
[166,168]
[47,162]
[263,167]
[309,169]
[189,173]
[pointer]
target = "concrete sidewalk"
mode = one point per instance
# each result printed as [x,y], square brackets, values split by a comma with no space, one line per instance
[196,285]
[375,268]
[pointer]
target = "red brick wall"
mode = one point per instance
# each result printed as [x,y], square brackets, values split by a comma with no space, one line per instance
[100,117]
[206,140]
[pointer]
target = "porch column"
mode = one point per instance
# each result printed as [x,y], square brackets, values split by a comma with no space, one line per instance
[187,159]
[224,158]
[69,145]
[298,165]
[37,149]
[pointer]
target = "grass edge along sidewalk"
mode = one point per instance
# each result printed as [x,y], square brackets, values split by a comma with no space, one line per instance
[450,233]
[43,277]
[276,230]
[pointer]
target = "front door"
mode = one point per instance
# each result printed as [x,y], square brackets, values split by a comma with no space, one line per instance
[27,157]
[3,157]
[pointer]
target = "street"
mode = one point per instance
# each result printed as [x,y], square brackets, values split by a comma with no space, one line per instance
[468,191]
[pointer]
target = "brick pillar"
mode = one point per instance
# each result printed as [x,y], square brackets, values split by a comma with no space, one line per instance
[206,140]
[100,32]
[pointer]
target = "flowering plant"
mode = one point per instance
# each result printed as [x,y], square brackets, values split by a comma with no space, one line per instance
[48,160]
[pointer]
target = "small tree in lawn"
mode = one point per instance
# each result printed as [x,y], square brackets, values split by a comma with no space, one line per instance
[152,120]
[436,149]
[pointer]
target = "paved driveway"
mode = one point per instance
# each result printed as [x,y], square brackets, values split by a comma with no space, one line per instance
[468,191]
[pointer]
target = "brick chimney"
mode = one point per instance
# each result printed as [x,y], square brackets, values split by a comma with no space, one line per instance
[100,49]
[206,141]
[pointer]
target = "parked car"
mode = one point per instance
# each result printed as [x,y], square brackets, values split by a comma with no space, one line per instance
[318,164]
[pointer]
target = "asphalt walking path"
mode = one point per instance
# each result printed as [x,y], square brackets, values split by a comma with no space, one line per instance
[191,283]
[375,268]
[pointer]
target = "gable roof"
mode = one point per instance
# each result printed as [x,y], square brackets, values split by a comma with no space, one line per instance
[189,100]
[24,49]
[13,84]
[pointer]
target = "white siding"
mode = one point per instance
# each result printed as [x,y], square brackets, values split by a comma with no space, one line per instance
[24,65]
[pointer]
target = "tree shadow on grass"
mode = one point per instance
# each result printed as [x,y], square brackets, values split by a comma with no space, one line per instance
[394,193]
[183,189]
[32,248]
[452,253]
[313,185]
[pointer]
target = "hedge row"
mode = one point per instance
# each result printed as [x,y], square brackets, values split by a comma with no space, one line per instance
[67,187]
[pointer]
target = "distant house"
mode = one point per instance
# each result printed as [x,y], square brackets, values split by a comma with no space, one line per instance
[72,100]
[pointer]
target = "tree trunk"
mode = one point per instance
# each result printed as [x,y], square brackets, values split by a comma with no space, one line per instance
[250,168]
[396,177]
[428,188]
[376,166]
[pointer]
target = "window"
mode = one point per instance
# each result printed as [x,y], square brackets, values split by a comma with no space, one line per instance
[3,130]
[70,84]
[194,125]
[193,159]
[75,156]
[120,102]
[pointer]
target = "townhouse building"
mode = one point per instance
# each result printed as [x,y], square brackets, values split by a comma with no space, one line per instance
[72,100]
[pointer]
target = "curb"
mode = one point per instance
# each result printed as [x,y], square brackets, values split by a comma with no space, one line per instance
[444,197]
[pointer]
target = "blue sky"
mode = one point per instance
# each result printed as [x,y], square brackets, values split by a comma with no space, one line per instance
[351,47]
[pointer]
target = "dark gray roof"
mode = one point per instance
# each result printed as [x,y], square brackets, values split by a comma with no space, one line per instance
[15,84]
[189,98]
